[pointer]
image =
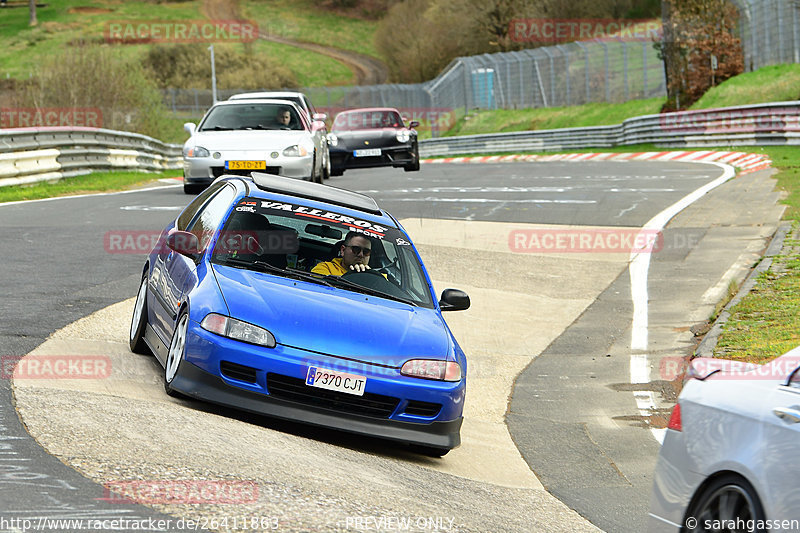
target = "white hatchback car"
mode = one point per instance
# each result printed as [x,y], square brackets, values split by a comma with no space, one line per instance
[242,136]
[303,103]
[729,458]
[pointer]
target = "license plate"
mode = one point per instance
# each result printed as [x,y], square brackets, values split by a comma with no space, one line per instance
[333,380]
[367,152]
[245,165]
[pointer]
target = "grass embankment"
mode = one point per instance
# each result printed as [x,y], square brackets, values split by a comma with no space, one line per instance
[776,83]
[62,23]
[766,322]
[303,20]
[91,183]
[546,118]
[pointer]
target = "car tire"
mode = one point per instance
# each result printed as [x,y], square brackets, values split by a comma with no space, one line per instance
[430,451]
[192,188]
[326,169]
[177,350]
[337,171]
[315,177]
[734,493]
[413,167]
[139,321]
[320,178]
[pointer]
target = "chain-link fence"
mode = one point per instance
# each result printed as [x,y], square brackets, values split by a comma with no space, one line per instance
[770,32]
[601,70]
[563,75]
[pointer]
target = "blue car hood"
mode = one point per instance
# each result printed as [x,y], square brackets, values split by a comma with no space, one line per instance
[334,321]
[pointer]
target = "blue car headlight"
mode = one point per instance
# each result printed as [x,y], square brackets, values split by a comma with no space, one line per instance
[238,330]
[432,369]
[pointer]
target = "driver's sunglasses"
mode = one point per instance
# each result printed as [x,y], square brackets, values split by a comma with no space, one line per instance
[358,249]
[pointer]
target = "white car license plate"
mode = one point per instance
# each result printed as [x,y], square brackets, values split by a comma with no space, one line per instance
[245,165]
[333,380]
[367,152]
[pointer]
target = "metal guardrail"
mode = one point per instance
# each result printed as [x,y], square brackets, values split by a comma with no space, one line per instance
[764,124]
[42,154]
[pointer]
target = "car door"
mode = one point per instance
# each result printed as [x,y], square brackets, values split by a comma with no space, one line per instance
[176,272]
[781,469]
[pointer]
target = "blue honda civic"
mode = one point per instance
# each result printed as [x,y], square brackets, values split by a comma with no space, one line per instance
[304,302]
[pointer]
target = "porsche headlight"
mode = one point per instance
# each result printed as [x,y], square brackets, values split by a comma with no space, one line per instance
[403,136]
[333,140]
[432,369]
[295,151]
[196,151]
[238,330]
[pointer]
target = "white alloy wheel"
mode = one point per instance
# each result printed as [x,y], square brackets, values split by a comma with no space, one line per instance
[176,348]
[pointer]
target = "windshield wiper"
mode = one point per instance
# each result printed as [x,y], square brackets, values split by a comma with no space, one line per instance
[217,128]
[367,290]
[266,267]
[292,272]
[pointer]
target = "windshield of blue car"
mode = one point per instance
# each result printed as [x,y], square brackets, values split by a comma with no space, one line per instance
[251,116]
[295,238]
[366,120]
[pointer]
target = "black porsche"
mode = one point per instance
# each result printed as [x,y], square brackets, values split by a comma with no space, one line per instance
[372,137]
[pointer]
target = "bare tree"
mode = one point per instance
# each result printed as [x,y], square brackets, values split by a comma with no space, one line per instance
[700,48]
[32,9]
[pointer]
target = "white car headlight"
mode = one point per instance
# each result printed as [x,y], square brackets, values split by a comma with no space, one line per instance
[295,151]
[333,140]
[432,369]
[196,151]
[403,136]
[238,330]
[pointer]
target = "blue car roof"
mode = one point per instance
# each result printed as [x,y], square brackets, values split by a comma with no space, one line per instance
[269,186]
[316,191]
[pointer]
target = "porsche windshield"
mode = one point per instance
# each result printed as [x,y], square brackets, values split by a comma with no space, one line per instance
[366,120]
[252,116]
[302,242]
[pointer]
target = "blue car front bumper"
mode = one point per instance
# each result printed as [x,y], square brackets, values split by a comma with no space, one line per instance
[271,381]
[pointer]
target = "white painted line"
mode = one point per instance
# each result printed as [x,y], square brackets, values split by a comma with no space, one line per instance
[638,269]
[489,201]
[3,204]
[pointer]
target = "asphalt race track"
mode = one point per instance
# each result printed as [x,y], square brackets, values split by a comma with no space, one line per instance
[558,319]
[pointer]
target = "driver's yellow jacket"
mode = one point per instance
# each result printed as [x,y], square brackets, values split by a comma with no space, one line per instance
[333,267]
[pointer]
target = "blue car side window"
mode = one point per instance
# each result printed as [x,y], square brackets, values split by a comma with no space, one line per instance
[187,216]
[211,215]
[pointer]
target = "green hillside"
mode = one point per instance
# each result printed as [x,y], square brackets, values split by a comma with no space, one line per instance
[62,24]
